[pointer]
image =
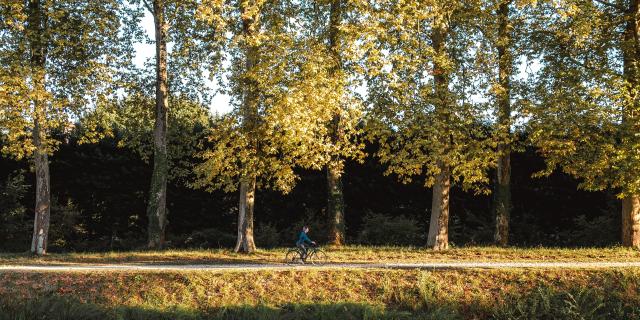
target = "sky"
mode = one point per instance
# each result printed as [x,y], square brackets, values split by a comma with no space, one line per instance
[220,103]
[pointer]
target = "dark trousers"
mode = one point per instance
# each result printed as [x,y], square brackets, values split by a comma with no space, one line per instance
[303,249]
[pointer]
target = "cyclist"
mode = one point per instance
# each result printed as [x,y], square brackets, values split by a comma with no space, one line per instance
[303,239]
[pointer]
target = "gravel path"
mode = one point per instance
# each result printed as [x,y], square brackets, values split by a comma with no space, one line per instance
[252,267]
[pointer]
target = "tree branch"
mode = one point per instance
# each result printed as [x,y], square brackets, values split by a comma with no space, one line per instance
[609,4]
[148,6]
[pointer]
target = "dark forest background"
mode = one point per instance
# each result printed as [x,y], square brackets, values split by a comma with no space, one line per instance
[99,199]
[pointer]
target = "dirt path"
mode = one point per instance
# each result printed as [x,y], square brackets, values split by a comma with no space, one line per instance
[252,267]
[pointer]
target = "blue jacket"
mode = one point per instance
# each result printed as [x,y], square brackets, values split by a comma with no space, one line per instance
[302,238]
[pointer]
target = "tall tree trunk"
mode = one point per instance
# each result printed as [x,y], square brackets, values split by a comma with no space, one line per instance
[335,197]
[502,192]
[157,207]
[245,241]
[631,58]
[335,205]
[631,221]
[37,24]
[250,104]
[43,199]
[438,238]
[439,224]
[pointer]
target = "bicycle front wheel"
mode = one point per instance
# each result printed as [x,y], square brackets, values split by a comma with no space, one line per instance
[292,256]
[318,257]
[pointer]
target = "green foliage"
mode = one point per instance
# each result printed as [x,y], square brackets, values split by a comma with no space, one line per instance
[584,98]
[292,73]
[56,308]
[476,228]
[318,227]
[67,230]
[130,117]
[422,67]
[284,97]
[428,290]
[208,238]
[422,299]
[59,59]
[599,231]
[390,294]
[378,229]
[267,236]
[131,121]
[53,308]
[14,225]
[549,303]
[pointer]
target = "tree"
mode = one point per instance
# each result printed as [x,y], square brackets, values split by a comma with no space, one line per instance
[58,60]
[338,25]
[157,206]
[180,82]
[584,109]
[502,190]
[284,98]
[422,73]
[503,24]
[335,199]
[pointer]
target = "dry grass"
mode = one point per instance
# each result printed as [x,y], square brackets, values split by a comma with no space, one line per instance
[352,254]
[462,294]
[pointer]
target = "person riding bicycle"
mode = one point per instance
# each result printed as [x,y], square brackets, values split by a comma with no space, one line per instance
[303,239]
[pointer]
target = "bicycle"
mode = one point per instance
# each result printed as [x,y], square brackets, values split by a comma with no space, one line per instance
[315,256]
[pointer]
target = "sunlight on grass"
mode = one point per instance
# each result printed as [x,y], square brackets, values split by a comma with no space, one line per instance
[328,294]
[352,254]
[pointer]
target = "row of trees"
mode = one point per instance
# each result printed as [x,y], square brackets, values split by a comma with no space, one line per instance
[439,86]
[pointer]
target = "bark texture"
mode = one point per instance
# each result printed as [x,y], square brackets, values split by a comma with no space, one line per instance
[37,25]
[245,242]
[439,223]
[502,191]
[157,207]
[438,238]
[43,200]
[631,58]
[631,221]
[335,206]
[335,195]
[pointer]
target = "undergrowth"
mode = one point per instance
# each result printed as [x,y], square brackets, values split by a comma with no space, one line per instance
[329,294]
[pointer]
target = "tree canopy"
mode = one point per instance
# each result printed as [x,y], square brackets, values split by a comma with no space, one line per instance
[444,94]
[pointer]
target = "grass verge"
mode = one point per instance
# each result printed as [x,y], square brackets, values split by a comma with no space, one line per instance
[324,294]
[352,254]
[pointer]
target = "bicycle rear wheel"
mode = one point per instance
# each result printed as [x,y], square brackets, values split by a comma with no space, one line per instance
[292,256]
[317,257]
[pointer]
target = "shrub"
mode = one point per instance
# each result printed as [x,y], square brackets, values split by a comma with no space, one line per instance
[66,231]
[379,229]
[317,224]
[597,232]
[267,236]
[471,228]
[545,303]
[53,308]
[209,238]
[15,227]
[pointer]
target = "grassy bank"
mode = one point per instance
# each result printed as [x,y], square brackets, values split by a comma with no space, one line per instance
[324,294]
[354,254]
